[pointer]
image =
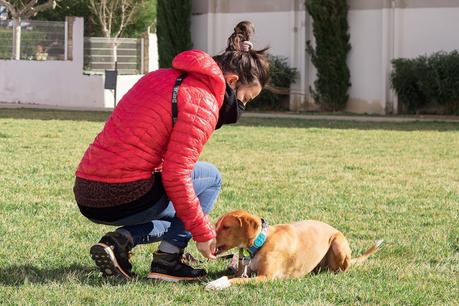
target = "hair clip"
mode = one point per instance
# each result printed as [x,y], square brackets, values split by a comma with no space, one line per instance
[246,46]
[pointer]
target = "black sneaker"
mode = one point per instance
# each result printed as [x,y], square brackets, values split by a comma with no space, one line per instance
[170,267]
[112,254]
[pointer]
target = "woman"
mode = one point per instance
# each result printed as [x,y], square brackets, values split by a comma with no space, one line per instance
[142,171]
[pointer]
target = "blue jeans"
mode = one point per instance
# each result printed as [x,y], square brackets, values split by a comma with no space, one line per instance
[160,223]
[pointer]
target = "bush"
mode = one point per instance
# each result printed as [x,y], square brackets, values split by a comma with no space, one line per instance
[173,29]
[427,84]
[282,76]
[331,32]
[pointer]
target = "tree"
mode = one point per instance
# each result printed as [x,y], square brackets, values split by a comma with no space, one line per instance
[144,18]
[114,16]
[23,9]
[76,8]
[173,29]
[331,32]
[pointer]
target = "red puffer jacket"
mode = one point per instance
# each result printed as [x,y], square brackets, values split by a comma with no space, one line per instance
[139,138]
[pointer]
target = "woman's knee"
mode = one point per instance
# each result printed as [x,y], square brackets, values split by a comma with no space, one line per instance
[208,170]
[207,182]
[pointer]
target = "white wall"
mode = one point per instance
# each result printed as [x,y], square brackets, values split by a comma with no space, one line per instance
[379,34]
[366,61]
[62,83]
[153,57]
[427,30]
[281,31]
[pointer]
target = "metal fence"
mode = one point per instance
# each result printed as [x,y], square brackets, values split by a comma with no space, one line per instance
[38,40]
[99,55]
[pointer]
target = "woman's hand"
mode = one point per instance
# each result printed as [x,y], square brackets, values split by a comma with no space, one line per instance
[207,248]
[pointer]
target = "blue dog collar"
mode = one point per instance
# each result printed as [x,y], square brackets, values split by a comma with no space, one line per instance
[260,240]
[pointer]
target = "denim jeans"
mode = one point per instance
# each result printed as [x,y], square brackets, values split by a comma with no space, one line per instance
[160,223]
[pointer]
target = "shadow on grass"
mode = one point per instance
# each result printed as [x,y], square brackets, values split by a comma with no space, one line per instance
[19,275]
[41,114]
[347,125]
[45,114]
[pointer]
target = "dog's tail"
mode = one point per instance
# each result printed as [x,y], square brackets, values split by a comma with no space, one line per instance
[373,249]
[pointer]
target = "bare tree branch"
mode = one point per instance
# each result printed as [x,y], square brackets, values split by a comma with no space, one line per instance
[99,11]
[115,14]
[51,4]
[10,7]
[27,9]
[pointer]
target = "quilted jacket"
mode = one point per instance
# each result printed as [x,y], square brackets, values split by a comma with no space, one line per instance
[139,138]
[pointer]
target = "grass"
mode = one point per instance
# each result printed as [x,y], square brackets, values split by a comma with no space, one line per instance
[396,181]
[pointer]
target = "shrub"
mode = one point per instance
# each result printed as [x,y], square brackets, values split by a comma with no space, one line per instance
[173,29]
[426,82]
[331,32]
[282,76]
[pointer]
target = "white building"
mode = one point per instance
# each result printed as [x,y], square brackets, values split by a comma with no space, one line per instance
[3,13]
[381,30]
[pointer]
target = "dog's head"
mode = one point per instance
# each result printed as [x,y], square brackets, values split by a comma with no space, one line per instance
[236,229]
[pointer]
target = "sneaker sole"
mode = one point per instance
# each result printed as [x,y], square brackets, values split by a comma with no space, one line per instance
[170,278]
[106,261]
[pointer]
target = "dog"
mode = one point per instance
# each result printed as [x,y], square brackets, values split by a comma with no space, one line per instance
[282,251]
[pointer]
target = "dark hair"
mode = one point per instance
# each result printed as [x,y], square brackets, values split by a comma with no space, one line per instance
[242,59]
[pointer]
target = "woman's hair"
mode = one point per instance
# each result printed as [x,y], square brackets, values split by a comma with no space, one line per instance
[242,59]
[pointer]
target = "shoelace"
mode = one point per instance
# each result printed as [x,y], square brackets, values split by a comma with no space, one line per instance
[188,258]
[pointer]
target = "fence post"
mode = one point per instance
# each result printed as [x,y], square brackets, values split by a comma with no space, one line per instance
[69,38]
[17,38]
[145,55]
[142,55]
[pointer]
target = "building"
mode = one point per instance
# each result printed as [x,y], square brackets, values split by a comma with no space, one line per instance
[3,13]
[381,30]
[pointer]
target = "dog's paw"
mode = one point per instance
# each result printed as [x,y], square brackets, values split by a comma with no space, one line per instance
[219,284]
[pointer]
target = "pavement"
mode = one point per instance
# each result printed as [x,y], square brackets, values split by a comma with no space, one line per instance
[283,115]
[356,118]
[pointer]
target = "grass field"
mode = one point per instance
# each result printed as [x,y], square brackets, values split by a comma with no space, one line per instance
[398,182]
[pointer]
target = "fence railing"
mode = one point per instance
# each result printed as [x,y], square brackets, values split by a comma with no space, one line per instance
[51,40]
[38,40]
[99,54]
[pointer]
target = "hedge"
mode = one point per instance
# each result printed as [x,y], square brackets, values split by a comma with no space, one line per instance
[427,84]
[275,95]
[173,29]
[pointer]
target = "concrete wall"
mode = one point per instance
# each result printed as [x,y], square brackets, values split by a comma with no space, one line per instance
[380,31]
[380,34]
[278,24]
[62,83]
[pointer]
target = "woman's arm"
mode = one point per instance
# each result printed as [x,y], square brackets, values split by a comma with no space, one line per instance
[195,123]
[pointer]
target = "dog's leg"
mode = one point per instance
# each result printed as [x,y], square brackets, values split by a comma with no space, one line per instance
[339,255]
[225,282]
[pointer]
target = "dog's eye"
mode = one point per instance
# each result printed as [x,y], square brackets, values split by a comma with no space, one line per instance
[225,227]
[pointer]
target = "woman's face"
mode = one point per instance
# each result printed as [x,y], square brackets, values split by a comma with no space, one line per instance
[246,92]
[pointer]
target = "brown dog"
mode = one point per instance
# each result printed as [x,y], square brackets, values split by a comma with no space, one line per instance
[289,250]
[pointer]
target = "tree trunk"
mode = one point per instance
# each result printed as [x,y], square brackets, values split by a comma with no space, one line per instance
[17,39]
[115,52]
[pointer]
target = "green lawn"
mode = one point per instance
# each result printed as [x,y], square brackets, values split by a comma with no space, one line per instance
[398,182]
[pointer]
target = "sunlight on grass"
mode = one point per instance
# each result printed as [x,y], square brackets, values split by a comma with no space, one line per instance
[398,182]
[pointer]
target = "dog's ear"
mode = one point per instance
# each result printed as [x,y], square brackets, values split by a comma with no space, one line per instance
[239,219]
[219,221]
[251,226]
[229,221]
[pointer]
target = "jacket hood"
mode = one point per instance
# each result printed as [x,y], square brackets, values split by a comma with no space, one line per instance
[200,63]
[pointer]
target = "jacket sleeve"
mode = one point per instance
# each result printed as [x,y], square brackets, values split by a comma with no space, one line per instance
[194,126]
